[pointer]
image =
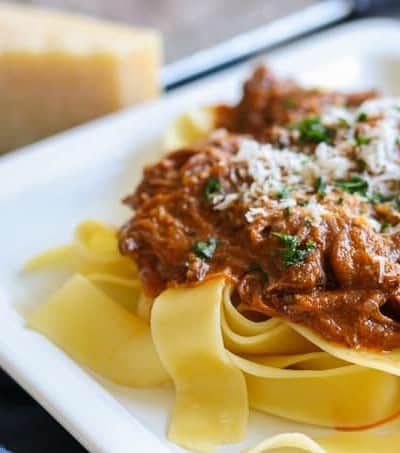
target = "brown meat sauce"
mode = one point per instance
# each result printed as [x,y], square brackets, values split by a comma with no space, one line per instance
[340,286]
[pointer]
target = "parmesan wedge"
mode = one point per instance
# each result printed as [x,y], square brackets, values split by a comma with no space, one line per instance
[59,70]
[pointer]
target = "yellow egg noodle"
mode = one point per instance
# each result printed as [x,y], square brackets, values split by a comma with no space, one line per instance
[220,362]
[76,319]
[211,397]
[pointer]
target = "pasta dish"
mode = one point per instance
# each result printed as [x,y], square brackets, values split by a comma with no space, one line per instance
[260,268]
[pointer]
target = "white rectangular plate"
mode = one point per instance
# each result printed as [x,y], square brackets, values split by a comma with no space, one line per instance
[48,188]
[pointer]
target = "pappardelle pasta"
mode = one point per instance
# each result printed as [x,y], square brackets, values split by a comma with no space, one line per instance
[260,270]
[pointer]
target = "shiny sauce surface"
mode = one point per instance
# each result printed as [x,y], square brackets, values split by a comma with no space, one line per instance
[333,272]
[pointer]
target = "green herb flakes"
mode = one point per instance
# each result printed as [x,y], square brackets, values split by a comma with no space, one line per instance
[294,252]
[284,193]
[320,187]
[290,103]
[378,197]
[356,184]
[360,140]
[213,186]
[307,223]
[362,165]
[205,250]
[362,117]
[256,267]
[313,131]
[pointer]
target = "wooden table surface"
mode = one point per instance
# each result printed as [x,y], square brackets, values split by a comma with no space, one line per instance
[187,25]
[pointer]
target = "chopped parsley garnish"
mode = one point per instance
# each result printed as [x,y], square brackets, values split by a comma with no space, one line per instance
[284,193]
[320,187]
[290,103]
[362,165]
[256,267]
[303,202]
[253,267]
[213,186]
[360,140]
[312,130]
[384,226]
[205,250]
[286,211]
[340,200]
[374,198]
[362,117]
[344,123]
[378,197]
[356,184]
[294,252]
[307,223]
[397,202]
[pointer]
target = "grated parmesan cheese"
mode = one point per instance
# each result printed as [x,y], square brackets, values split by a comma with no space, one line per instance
[375,225]
[253,213]
[315,210]
[281,176]
[380,260]
[221,202]
[333,115]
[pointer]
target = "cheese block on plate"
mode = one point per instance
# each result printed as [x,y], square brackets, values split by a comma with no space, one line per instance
[58,70]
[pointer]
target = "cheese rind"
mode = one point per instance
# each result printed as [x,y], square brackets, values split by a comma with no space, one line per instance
[59,70]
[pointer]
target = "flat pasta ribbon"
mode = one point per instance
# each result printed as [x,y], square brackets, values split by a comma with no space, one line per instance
[219,360]
[93,251]
[319,389]
[125,291]
[144,306]
[211,399]
[388,362]
[337,443]
[98,333]
[189,127]
[273,336]
[62,256]
[239,323]
[296,441]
